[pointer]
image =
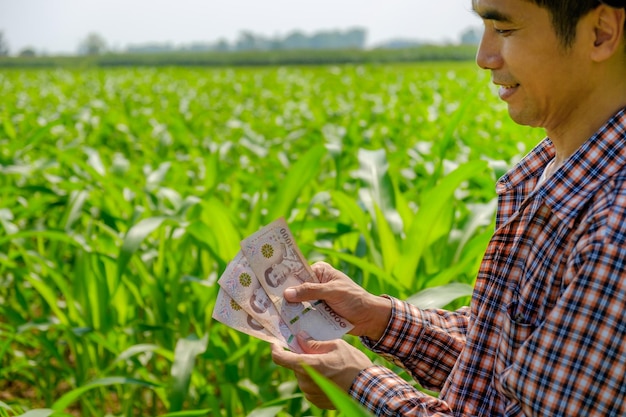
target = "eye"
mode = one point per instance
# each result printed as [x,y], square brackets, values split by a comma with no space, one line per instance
[503,32]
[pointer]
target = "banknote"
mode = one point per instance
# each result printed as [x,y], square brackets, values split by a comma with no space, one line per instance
[278,263]
[228,312]
[243,286]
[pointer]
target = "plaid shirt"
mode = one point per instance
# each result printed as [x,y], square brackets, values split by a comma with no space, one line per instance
[546,331]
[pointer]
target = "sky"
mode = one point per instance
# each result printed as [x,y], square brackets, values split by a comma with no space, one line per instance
[58,26]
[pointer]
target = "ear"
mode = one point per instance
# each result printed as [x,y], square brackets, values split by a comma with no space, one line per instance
[608,32]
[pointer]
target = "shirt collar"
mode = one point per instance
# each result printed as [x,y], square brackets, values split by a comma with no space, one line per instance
[571,186]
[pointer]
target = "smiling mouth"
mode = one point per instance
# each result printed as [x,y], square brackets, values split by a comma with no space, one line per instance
[506,91]
[507,86]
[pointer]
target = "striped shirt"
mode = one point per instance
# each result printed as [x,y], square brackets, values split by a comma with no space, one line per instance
[545,333]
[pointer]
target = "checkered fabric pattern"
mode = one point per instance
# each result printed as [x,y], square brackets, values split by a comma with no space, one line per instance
[545,334]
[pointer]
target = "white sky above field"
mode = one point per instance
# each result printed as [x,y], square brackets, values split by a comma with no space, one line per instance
[58,26]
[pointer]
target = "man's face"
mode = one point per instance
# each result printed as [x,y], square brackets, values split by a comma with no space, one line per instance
[542,81]
[261,300]
[278,275]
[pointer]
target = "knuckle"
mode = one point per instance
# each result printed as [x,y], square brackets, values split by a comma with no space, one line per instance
[321,264]
[302,289]
[278,361]
[324,271]
[321,267]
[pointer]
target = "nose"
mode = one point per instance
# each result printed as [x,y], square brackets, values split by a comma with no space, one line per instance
[489,56]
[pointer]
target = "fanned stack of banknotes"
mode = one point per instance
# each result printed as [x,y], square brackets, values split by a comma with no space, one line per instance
[251,300]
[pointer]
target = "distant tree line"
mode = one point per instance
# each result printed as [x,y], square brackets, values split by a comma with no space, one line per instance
[353,39]
[471,36]
[4,46]
[248,41]
[252,58]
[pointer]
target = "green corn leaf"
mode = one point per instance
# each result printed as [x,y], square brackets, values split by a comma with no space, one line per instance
[156,177]
[220,220]
[467,264]
[301,173]
[362,264]
[266,412]
[482,215]
[140,349]
[208,240]
[6,220]
[94,160]
[53,235]
[8,126]
[425,228]
[212,173]
[184,361]
[402,206]
[40,412]
[59,285]
[70,397]
[133,239]
[189,413]
[44,412]
[49,294]
[91,272]
[34,138]
[143,348]
[447,139]
[340,399]
[187,203]
[74,208]
[439,297]
[387,240]
[349,207]
[378,190]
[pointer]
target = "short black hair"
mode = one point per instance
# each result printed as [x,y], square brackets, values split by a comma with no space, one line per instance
[567,13]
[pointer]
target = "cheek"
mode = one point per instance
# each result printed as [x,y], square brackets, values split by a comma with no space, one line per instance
[526,61]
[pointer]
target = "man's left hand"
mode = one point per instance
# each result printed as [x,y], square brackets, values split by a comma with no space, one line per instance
[336,360]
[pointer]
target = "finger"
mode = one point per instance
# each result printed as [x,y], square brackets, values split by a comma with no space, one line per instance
[312,392]
[285,358]
[305,292]
[320,400]
[324,271]
[312,346]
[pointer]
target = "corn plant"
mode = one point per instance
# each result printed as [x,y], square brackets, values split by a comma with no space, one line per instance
[125,192]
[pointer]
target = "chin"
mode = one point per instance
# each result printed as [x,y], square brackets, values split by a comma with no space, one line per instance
[522,117]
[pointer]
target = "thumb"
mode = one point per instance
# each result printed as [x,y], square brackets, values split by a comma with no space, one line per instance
[312,346]
[305,292]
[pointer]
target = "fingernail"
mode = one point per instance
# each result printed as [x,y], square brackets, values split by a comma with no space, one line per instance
[289,293]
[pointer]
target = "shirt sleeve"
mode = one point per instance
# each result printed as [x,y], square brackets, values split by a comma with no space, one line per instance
[574,362]
[426,343]
[386,394]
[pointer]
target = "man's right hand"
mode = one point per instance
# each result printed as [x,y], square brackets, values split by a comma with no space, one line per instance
[368,313]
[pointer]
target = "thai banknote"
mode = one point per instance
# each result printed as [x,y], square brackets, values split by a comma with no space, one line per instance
[243,286]
[278,264]
[228,312]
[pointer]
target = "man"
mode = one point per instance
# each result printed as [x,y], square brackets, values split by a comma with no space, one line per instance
[545,333]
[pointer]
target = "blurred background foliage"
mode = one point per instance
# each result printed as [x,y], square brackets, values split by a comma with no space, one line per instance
[125,192]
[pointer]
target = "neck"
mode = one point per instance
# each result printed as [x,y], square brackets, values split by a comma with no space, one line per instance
[588,117]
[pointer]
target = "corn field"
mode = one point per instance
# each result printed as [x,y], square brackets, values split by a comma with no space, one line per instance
[125,192]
